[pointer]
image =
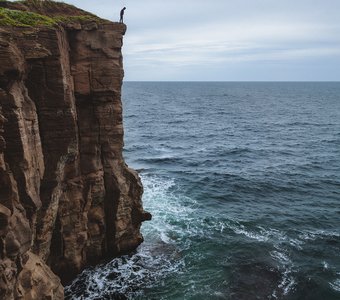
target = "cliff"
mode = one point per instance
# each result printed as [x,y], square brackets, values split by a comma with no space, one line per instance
[67,198]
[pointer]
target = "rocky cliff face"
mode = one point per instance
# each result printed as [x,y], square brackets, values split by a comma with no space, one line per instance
[67,199]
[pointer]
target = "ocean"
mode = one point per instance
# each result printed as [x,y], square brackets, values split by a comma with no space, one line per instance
[243,182]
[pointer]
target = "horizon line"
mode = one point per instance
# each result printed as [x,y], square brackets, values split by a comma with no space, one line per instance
[235,81]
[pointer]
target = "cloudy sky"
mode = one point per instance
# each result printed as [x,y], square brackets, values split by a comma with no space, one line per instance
[224,40]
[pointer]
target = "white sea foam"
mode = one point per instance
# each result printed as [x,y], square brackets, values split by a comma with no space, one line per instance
[261,234]
[277,239]
[325,265]
[296,243]
[287,283]
[174,226]
[250,234]
[169,208]
[281,257]
[155,259]
[335,285]
[313,235]
[126,275]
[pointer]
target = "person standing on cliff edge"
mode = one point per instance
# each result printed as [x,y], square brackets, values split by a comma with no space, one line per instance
[122,15]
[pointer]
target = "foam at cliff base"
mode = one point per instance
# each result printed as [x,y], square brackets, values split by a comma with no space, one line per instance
[153,261]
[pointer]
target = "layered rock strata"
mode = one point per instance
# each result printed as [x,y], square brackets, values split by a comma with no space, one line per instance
[67,198]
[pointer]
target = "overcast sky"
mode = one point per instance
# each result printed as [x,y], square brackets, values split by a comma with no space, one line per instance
[224,40]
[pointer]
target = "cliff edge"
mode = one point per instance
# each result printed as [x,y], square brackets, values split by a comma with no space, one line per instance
[67,198]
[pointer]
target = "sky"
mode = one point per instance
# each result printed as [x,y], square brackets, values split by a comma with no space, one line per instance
[224,40]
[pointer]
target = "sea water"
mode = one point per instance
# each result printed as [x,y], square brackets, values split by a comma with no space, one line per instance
[243,182]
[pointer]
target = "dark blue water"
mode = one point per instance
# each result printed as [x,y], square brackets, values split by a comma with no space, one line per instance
[243,181]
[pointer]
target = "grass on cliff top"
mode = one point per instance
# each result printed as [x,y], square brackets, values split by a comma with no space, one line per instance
[12,17]
[42,13]
[53,8]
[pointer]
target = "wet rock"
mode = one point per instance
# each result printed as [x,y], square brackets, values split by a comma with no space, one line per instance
[254,281]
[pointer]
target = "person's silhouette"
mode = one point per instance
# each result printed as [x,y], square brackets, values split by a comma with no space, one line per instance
[122,15]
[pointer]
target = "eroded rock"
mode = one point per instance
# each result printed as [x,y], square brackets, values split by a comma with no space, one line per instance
[67,198]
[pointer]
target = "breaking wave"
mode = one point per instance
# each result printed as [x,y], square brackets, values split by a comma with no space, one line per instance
[243,189]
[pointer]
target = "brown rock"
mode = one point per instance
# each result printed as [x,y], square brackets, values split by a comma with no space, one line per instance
[37,281]
[67,198]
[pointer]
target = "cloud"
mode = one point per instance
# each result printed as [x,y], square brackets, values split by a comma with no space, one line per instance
[172,38]
[233,43]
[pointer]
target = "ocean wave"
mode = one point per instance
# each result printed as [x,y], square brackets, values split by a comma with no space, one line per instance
[318,234]
[125,277]
[335,285]
[190,228]
[169,208]
[299,124]
[240,229]
[178,226]
[164,159]
[288,281]
[157,258]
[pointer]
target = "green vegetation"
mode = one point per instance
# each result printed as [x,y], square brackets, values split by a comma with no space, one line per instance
[79,19]
[11,17]
[43,4]
[30,13]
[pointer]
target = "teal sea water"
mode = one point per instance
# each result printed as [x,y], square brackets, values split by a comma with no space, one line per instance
[243,181]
